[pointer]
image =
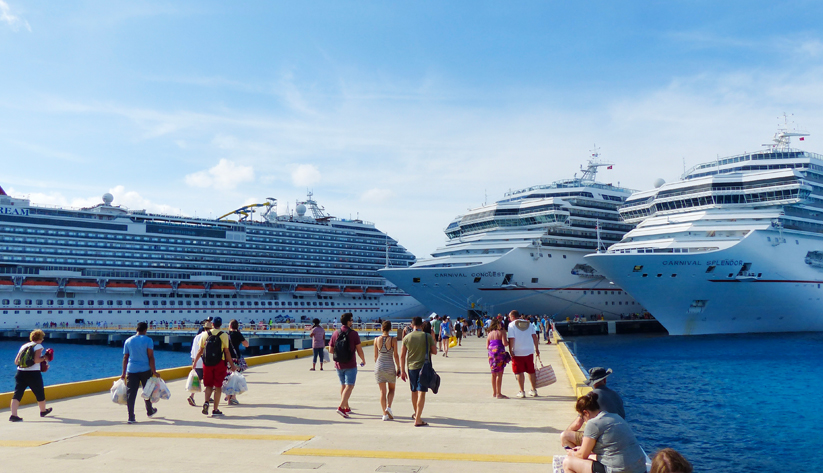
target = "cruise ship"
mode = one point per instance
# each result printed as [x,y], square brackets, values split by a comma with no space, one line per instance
[107,264]
[525,252]
[734,246]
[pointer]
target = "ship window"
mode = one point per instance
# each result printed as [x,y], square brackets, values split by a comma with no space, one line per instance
[710,269]
[476,280]
[759,274]
[797,242]
[534,280]
[638,268]
[99,302]
[659,275]
[564,256]
[730,274]
[39,302]
[111,302]
[6,302]
[127,302]
[645,275]
[674,275]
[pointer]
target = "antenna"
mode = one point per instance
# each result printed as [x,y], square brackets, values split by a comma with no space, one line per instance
[782,138]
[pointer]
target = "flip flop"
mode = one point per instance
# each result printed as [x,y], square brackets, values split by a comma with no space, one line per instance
[424,424]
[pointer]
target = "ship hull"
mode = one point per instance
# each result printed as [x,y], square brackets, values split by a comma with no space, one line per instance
[781,291]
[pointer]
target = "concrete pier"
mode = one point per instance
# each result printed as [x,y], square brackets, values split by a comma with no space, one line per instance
[287,420]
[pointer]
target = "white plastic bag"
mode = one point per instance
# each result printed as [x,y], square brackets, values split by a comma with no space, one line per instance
[193,382]
[235,384]
[149,388]
[326,358]
[119,392]
[161,391]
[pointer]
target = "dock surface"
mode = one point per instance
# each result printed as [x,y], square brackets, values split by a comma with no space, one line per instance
[287,421]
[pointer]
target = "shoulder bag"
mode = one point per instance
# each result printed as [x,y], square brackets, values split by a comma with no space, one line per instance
[428,377]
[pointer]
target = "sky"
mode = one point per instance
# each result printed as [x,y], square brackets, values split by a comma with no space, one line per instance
[405,114]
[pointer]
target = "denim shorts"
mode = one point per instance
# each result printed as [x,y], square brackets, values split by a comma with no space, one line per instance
[347,376]
[414,382]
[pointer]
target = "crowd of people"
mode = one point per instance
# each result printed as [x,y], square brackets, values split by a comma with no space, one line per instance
[598,440]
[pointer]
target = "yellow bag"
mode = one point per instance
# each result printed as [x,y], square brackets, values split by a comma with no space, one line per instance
[452,342]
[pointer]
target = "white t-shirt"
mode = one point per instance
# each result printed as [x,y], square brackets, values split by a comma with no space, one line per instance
[36,366]
[195,347]
[523,341]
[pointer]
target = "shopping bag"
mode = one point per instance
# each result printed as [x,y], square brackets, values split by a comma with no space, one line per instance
[161,390]
[242,386]
[148,389]
[452,342]
[545,375]
[193,382]
[326,357]
[235,384]
[119,392]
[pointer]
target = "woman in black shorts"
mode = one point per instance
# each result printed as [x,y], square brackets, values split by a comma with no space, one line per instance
[29,376]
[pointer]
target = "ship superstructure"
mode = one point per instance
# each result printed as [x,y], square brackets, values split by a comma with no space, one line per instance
[110,264]
[525,252]
[734,246]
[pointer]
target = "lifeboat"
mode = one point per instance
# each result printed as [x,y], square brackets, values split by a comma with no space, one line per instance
[353,291]
[34,285]
[121,287]
[222,289]
[273,288]
[375,291]
[305,291]
[252,290]
[82,286]
[191,288]
[6,285]
[330,291]
[157,288]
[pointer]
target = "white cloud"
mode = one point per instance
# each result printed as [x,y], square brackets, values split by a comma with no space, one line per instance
[11,19]
[226,175]
[130,199]
[377,195]
[305,175]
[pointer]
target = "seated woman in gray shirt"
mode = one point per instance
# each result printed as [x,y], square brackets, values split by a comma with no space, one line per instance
[609,438]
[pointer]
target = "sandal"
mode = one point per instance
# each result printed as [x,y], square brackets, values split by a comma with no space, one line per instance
[424,424]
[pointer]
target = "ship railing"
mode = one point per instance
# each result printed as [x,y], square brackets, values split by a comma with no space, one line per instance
[189,326]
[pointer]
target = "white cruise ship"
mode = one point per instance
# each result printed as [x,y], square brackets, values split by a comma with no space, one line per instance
[525,252]
[735,246]
[110,265]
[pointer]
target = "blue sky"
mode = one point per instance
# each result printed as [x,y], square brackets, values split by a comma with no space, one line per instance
[404,113]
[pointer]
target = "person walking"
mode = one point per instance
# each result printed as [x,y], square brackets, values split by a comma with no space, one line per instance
[496,345]
[458,332]
[236,340]
[344,344]
[386,370]
[523,346]
[29,375]
[445,335]
[198,362]
[412,357]
[436,323]
[138,367]
[214,348]
[318,343]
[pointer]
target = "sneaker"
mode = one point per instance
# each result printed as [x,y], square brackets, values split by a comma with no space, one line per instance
[385,417]
[389,413]
[233,402]
[347,410]
[191,401]
[216,413]
[343,413]
[46,412]
[131,421]
[206,409]
[521,395]
[153,412]
[532,393]
[15,419]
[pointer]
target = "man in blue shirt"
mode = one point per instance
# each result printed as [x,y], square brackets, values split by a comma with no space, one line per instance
[138,364]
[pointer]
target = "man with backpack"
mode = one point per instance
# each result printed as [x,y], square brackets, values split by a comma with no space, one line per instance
[138,364]
[342,347]
[214,349]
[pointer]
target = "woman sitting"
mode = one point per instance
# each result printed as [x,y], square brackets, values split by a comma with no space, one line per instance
[609,438]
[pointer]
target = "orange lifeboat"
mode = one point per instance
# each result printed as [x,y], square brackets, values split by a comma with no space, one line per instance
[6,285]
[35,285]
[153,287]
[82,286]
[330,291]
[191,288]
[305,291]
[121,287]
[252,290]
[353,291]
[375,291]
[222,289]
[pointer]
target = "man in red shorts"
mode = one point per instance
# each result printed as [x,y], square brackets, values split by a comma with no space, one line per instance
[215,352]
[523,345]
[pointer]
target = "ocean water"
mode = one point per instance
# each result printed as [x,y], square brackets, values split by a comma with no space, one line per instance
[80,362]
[727,402]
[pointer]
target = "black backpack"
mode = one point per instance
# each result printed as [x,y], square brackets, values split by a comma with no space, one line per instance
[213,354]
[26,358]
[342,352]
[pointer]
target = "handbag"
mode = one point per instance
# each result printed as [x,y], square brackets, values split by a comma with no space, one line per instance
[428,377]
[544,376]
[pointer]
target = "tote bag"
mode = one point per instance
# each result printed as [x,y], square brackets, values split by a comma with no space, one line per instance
[545,375]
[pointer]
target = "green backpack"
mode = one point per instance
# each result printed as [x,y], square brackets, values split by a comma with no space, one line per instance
[26,358]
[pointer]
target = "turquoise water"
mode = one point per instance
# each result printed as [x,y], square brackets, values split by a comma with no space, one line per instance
[81,362]
[728,403]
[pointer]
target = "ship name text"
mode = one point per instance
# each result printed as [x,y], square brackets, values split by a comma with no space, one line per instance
[13,211]
[721,262]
